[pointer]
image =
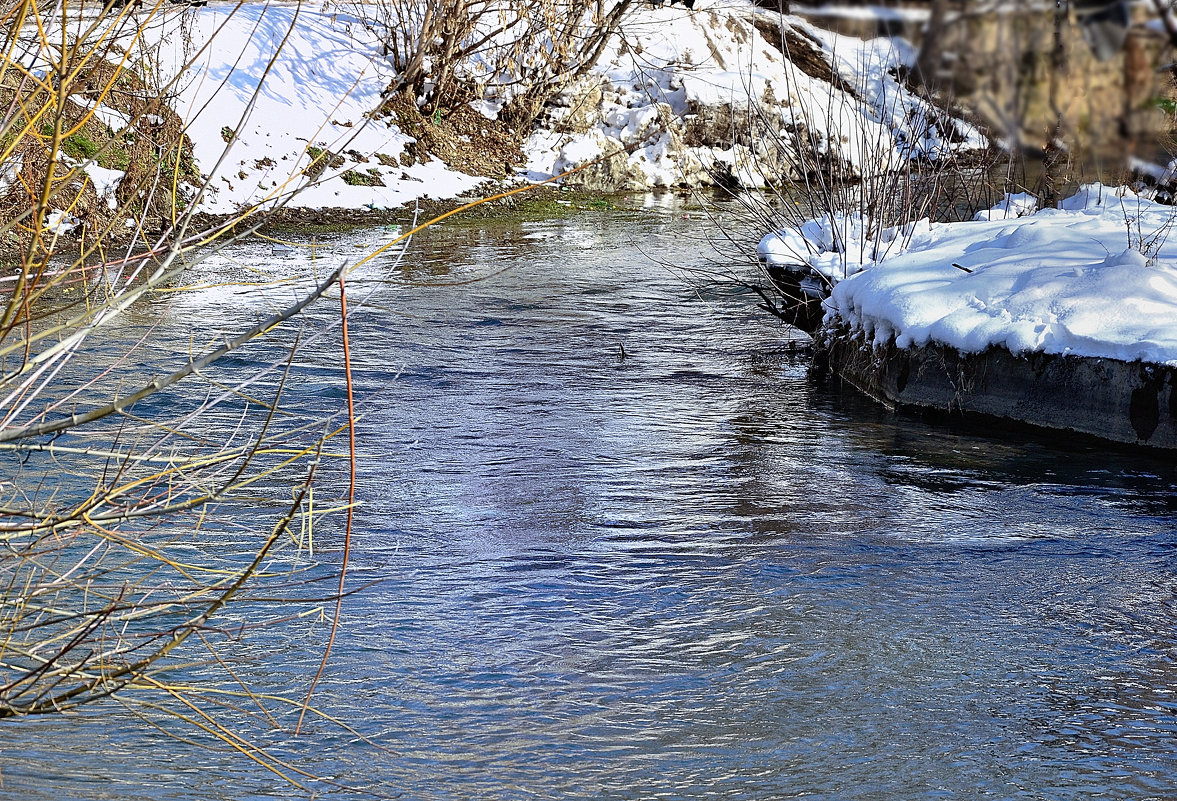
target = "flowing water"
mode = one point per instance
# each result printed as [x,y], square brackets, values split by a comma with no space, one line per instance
[627,548]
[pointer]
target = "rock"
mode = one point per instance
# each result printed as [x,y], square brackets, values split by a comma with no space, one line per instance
[578,108]
[704,119]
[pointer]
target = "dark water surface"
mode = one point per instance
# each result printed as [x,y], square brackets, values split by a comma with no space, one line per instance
[688,573]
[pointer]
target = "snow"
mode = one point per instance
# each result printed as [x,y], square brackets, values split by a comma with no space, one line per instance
[1013,206]
[667,62]
[11,172]
[1096,277]
[1160,176]
[317,92]
[60,222]
[916,128]
[105,181]
[114,120]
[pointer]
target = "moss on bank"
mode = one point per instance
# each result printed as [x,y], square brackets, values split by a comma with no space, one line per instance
[110,118]
[541,203]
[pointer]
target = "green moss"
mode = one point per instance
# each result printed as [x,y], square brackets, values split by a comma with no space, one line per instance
[315,228]
[537,205]
[410,122]
[1165,104]
[79,146]
[321,159]
[187,165]
[318,163]
[367,178]
[107,151]
[115,159]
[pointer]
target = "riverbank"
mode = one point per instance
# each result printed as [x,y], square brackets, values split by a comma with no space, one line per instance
[1060,317]
[538,203]
[671,94]
[726,95]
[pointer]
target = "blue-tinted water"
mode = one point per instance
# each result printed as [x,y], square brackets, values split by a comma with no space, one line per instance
[688,573]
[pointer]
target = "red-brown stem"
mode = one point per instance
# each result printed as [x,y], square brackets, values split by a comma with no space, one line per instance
[351,501]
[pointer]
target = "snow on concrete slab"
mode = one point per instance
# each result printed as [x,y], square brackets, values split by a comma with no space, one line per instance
[1095,277]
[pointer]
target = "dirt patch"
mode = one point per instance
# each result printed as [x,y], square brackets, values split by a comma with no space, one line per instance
[462,139]
[111,119]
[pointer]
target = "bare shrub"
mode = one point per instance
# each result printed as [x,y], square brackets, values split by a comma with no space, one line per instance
[849,170]
[513,53]
[158,483]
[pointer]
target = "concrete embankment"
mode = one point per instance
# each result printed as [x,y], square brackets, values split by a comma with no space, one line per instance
[1128,402]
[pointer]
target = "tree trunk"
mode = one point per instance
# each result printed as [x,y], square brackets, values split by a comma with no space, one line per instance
[927,65]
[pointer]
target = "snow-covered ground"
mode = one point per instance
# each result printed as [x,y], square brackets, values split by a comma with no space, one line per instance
[273,84]
[280,79]
[669,66]
[263,89]
[1095,277]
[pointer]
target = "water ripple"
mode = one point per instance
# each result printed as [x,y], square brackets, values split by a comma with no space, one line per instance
[693,572]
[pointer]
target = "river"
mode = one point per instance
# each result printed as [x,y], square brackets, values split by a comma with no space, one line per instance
[625,547]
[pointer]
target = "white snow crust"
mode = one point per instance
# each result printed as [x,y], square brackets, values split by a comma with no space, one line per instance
[1095,277]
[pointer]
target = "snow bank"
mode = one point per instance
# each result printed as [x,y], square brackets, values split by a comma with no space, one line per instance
[322,84]
[669,67]
[273,86]
[1095,277]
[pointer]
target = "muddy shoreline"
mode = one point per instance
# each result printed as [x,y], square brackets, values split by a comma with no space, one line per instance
[540,202]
